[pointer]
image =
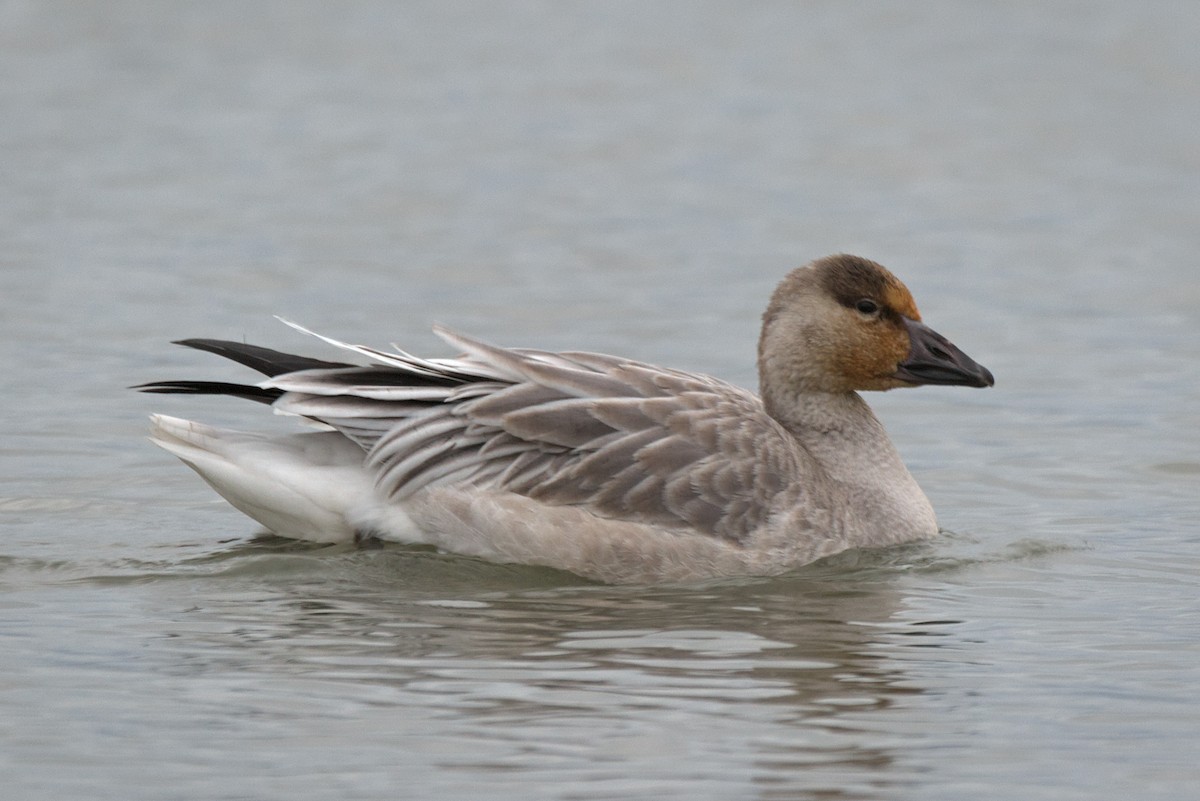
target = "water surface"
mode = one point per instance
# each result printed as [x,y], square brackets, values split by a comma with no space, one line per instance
[630,178]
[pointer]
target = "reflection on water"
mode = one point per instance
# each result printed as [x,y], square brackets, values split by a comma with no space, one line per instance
[473,678]
[473,674]
[580,677]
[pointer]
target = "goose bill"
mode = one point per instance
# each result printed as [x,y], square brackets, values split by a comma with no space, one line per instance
[933,359]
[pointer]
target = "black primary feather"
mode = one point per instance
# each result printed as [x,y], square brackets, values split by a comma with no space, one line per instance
[264,360]
[247,391]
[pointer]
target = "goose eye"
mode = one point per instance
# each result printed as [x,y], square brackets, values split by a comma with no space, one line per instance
[867,306]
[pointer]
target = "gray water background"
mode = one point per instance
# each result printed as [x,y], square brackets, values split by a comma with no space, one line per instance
[631,178]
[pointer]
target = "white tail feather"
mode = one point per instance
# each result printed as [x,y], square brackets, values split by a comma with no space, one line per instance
[304,486]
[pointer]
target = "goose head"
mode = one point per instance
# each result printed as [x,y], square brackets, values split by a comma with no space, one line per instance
[843,324]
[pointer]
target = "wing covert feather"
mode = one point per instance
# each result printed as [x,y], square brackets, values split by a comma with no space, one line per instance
[623,439]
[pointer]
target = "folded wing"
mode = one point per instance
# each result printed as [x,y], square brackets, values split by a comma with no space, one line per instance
[625,440]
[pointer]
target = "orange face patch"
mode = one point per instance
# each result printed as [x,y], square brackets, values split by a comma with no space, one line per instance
[868,359]
[897,297]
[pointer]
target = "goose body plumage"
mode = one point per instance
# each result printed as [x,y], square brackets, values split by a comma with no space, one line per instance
[614,469]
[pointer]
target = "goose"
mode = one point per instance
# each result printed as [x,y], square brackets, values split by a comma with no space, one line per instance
[613,469]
